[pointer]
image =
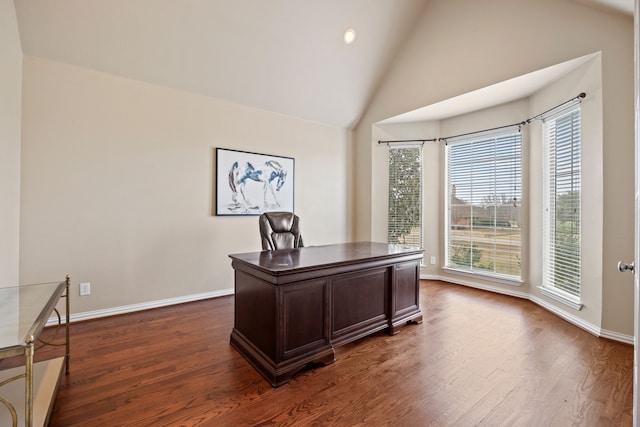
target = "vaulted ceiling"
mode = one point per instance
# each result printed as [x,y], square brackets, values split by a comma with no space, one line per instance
[285,56]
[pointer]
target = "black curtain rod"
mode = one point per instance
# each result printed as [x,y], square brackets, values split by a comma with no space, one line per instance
[480,131]
[577,98]
[408,140]
[580,96]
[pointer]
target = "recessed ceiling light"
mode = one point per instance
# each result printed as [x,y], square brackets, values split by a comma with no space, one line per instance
[349,36]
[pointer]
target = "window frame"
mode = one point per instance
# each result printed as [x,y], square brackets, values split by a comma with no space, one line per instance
[549,211]
[420,163]
[511,137]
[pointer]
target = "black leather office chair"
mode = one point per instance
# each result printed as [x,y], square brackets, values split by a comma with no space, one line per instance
[280,230]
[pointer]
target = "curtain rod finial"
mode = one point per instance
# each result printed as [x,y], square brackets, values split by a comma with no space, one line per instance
[582,95]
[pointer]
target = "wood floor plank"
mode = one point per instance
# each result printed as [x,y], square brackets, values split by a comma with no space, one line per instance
[478,358]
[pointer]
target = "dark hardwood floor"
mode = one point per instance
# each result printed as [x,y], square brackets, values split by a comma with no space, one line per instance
[478,359]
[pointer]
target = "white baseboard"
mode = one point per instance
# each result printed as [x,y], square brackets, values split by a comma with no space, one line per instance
[615,336]
[95,314]
[595,330]
[471,284]
[589,327]
[569,317]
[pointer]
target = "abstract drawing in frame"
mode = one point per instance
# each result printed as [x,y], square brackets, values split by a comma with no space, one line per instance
[252,183]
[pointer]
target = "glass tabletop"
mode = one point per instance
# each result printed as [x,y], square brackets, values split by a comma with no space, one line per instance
[24,310]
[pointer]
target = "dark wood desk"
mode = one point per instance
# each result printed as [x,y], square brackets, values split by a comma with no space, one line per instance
[293,306]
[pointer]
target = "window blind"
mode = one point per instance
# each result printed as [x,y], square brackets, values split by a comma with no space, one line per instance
[484,179]
[405,195]
[562,194]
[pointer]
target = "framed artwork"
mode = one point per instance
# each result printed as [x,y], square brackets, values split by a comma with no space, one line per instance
[253,183]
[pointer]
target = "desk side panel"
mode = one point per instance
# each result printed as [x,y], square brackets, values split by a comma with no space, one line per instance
[405,295]
[255,312]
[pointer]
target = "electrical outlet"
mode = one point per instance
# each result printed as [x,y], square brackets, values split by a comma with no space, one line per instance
[85,289]
[433,260]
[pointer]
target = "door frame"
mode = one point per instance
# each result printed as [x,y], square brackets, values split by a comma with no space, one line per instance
[636,257]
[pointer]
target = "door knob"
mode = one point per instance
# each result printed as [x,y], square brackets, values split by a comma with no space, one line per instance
[623,266]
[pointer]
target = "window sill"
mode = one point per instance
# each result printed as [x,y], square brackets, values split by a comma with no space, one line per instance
[504,280]
[561,297]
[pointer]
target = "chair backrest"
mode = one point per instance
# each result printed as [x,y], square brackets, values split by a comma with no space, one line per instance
[280,230]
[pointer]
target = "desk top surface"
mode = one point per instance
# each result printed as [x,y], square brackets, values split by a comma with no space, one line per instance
[284,260]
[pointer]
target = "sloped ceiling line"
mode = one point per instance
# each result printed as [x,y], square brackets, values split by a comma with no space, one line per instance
[285,56]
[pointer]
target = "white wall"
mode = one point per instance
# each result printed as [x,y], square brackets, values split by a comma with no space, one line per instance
[117,184]
[10,98]
[460,46]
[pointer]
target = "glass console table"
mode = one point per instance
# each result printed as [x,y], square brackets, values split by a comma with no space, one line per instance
[27,392]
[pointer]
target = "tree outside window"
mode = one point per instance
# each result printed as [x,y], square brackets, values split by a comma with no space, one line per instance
[405,196]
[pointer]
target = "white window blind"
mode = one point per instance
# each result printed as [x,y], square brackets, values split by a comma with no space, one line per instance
[561,258]
[484,179]
[405,195]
